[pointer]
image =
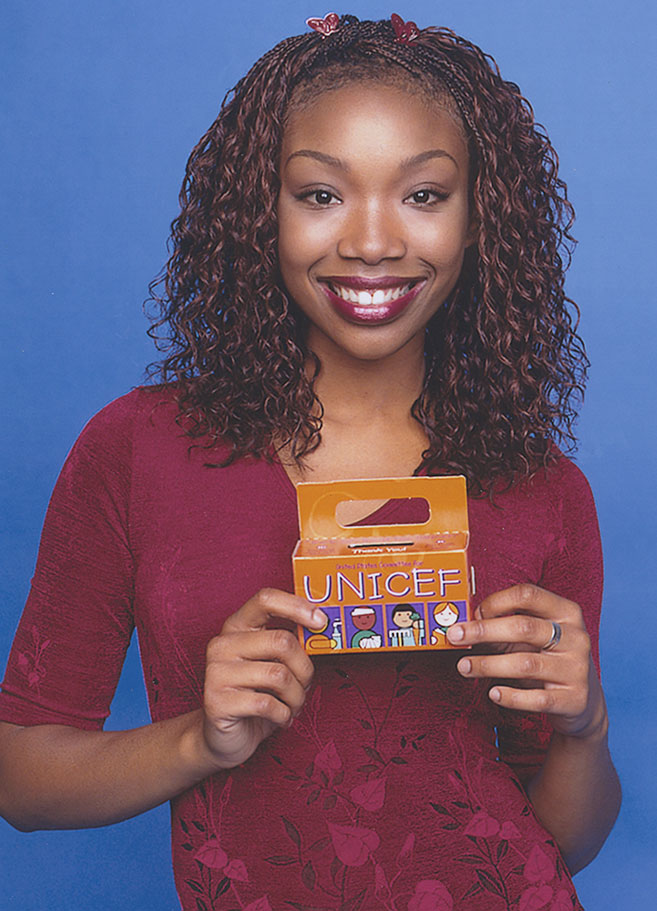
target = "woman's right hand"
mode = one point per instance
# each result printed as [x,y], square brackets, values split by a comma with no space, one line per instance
[256,678]
[55,776]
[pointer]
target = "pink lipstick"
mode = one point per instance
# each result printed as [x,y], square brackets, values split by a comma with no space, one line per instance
[371,301]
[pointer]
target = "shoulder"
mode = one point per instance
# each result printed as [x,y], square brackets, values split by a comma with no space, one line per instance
[146,417]
[569,512]
[540,510]
[560,479]
[563,483]
[125,415]
[94,488]
[143,436]
[108,440]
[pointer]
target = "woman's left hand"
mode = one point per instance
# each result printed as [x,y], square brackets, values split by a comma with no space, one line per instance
[510,635]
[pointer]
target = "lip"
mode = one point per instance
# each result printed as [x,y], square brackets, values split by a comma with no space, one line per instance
[371,314]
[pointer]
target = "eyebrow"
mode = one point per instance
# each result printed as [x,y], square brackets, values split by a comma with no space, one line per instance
[406,165]
[409,163]
[319,156]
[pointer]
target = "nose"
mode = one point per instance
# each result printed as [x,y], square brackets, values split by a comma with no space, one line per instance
[371,233]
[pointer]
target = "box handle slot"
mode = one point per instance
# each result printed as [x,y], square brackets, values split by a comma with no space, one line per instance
[445,496]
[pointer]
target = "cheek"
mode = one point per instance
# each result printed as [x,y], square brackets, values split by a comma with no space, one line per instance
[442,244]
[299,246]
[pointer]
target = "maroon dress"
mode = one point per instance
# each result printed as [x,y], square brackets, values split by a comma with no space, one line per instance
[400,786]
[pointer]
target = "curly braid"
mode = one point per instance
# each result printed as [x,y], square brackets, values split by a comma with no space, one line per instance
[505,366]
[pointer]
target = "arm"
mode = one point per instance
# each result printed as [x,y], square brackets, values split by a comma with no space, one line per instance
[58,776]
[576,793]
[57,767]
[55,776]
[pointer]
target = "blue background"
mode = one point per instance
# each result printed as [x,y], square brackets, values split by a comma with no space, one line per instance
[103,103]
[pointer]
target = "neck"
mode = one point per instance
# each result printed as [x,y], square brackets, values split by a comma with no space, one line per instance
[367,427]
[361,392]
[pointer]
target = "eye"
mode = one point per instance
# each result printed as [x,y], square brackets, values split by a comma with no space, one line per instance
[320,198]
[426,197]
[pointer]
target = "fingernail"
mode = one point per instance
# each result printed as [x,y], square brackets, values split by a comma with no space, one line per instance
[456,633]
[495,694]
[464,666]
[319,618]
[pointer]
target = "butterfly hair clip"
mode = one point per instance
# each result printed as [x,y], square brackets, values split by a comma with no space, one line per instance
[404,31]
[325,26]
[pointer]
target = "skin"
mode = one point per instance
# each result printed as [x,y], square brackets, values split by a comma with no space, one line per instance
[364,214]
[364,621]
[365,220]
[403,619]
[515,624]
[59,777]
[446,617]
[372,215]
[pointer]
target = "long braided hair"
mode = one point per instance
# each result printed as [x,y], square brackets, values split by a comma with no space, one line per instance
[505,366]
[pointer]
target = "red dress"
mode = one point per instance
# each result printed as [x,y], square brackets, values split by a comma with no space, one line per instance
[400,785]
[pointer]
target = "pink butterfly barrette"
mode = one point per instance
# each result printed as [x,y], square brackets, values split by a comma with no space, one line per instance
[325,26]
[404,31]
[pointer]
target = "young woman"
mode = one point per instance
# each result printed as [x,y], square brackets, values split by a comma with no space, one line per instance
[366,281]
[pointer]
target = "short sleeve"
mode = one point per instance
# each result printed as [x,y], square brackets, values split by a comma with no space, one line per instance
[71,640]
[572,569]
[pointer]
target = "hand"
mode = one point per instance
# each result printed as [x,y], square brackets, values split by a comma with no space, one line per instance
[256,678]
[517,624]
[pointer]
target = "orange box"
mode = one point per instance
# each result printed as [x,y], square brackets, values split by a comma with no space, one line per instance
[384,587]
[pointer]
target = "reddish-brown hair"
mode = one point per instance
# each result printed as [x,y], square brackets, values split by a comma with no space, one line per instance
[505,366]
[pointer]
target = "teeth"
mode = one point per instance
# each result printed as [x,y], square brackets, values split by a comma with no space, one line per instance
[367,298]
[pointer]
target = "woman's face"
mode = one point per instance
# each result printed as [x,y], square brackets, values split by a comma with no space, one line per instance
[447,616]
[373,217]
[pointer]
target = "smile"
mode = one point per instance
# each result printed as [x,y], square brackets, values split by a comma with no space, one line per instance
[371,301]
[371,297]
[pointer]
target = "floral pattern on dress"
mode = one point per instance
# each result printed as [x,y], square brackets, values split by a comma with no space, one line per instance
[31,663]
[218,874]
[506,872]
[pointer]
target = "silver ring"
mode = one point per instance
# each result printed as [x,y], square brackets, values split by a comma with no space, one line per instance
[554,639]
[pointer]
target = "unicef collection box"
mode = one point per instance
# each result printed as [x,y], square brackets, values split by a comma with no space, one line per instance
[384,587]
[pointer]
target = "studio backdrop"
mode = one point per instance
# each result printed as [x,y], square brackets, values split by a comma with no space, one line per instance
[102,103]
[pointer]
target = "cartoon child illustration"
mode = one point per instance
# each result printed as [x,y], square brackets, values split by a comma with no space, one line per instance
[410,626]
[319,642]
[445,614]
[364,619]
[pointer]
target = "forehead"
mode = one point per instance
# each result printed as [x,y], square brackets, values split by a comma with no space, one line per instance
[373,118]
